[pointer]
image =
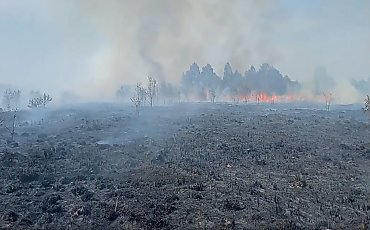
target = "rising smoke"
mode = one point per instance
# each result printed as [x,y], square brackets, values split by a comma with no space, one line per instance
[88,48]
[135,39]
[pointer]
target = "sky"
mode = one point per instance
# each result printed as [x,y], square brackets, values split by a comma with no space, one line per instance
[91,47]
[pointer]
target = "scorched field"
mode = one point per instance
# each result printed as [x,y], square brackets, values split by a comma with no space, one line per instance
[186,166]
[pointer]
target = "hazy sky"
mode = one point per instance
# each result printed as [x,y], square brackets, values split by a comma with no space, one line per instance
[93,46]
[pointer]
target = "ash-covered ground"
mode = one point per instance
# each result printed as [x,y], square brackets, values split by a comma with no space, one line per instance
[186,166]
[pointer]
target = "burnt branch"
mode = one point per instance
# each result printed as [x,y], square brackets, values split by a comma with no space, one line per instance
[11,128]
[367,104]
[11,99]
[328,100]
[212,95]
[139,97]
[40,101]
[152,90]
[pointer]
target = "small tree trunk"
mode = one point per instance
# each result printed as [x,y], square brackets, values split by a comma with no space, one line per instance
[137,111]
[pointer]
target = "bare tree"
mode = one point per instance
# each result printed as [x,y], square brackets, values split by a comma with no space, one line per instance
[259,98]
[11,99]
[245,99]
[35,102]
[40,101]
[328,100]
[152,90]
[46,99]
[367,106]
[139,97]
[1,120]
[212,95]
[125,92]
[167,92]
[10,128]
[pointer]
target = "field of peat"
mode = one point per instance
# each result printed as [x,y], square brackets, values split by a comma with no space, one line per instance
[186,166]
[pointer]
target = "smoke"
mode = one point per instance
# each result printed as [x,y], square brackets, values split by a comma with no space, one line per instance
[345,93]
[362,88]
[103,44]
[89,48]
[323,83]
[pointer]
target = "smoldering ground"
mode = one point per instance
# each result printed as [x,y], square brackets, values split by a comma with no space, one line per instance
[219,166]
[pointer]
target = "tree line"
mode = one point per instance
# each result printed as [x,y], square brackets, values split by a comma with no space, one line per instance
[11,100]
[203,84]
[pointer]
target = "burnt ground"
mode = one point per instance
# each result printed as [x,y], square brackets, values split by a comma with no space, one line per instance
[187,166]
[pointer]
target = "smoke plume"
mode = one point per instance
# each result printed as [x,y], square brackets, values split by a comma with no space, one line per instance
[107,43]
[89,48]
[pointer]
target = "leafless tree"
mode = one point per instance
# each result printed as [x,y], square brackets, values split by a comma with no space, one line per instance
[152,90]
[259,98]
[11,99]
[46,99]
[125,92]
[367,106]
[328,100]
[245,99]
[139,97]
[40,101]
[212,95]
[1,119]
[167,92]
[10,128]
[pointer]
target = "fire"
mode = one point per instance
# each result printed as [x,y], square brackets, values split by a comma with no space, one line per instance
[262,98]
[265,98]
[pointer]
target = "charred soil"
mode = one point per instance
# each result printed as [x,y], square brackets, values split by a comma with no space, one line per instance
[187,166]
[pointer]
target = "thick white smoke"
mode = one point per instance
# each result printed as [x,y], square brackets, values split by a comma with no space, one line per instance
[91,47]
[161,38]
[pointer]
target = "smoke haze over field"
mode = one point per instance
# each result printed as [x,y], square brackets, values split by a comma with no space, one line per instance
[91,47]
